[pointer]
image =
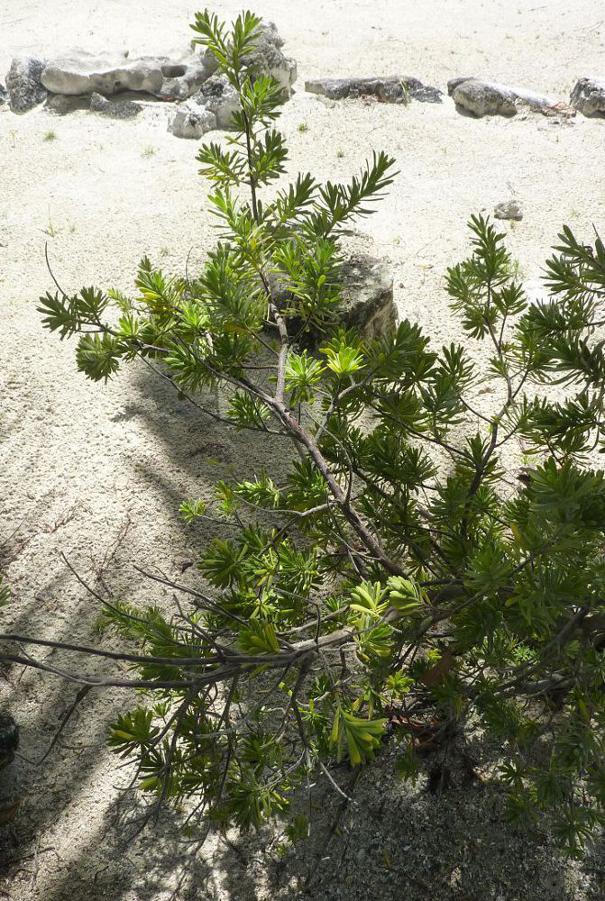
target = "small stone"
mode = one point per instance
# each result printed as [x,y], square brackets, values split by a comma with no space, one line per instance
[398,89]
[191,121]
[23,83]
[478,98]
[588,96]
[119,109]
[508,209]
[98,103]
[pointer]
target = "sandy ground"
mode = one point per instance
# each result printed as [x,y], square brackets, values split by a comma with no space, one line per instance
[98,472]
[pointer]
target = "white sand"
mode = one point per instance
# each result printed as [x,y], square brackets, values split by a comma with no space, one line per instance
[79,461]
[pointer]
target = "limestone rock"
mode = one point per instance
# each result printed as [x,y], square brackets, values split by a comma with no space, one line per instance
[191,121]
[454,82]
[217,96]
[508,209]
[181,80]
[118,109]
[84,73]
[397,89]
[588,96]
[366,304]
[23,83]
[367,300]
[267,58]
[488,98]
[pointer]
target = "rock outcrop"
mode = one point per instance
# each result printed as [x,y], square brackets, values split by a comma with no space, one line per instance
[396,89]
[588,96]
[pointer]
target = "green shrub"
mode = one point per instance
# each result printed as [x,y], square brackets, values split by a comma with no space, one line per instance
[398,578]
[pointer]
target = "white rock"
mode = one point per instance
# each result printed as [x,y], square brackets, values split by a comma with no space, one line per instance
[84,73]
[268,59]
[217,95]
[191,121]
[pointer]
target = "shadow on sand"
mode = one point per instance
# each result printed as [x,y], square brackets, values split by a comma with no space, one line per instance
[391,842]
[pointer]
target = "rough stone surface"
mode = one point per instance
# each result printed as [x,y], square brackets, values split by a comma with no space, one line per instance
[268,59]
[388,90]
[367,303]
[367,300]
[23,83]
[191,121]
[588,96]
[117,109]
[177,86]
[487,98]
[454,82]
[84,73]
[508,209]
[68,79]
[170,79]
[63,104]
[217,96]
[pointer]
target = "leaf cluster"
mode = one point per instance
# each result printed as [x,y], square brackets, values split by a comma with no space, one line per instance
[399,574]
